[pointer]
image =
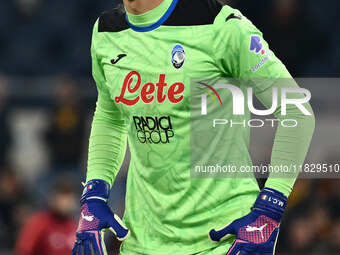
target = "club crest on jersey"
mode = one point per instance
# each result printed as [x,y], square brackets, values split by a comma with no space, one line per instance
[178,56]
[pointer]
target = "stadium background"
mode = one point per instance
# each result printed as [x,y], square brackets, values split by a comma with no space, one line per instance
[47,99]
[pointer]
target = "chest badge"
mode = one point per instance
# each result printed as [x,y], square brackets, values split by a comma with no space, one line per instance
[178,56]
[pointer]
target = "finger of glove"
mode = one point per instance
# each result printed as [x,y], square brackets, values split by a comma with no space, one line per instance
[94,249]
[98,250]
[258,253]
[236,247]
[220,234]
[118,228]
[76,249]
[87,248]
[242,252]
[95,240]
[246,253]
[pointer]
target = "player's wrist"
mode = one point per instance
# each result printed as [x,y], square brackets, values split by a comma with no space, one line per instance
[271,202]
[95,190]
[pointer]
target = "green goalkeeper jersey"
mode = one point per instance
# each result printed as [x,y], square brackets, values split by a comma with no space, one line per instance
[142,65]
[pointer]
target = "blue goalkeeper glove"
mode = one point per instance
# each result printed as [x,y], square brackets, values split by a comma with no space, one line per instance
[95,219]
[257,232]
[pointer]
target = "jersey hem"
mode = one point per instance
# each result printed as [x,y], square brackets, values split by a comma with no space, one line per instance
[188,251]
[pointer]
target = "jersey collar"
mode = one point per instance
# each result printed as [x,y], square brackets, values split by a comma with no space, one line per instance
[153,19]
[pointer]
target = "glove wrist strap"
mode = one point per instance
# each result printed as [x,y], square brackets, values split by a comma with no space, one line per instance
[271,201]
[95,189]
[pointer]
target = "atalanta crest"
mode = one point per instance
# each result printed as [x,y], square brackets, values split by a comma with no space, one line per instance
[178,56]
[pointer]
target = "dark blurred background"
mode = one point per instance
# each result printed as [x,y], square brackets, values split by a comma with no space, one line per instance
[47,98]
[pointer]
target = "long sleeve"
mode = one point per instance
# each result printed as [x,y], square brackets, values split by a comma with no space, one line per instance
[246,55]
[291,144]
[108,137]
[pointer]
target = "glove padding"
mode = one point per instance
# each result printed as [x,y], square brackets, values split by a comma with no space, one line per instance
[257,232]
[95,219]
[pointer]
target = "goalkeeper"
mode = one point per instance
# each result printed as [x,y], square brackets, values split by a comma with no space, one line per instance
[144,54]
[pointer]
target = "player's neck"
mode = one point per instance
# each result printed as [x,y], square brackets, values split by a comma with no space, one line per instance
[137,7]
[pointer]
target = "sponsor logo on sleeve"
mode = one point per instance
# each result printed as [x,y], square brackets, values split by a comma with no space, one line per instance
[261,63]
[256,47]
